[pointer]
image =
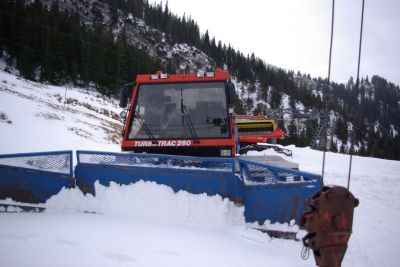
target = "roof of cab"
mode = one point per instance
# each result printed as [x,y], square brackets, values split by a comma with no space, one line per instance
[219,75]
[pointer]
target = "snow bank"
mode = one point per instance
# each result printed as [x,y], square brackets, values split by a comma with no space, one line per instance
[148,201]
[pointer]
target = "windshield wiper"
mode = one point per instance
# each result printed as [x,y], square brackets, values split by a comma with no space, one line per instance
[185,114]
[146,129]
[190,123]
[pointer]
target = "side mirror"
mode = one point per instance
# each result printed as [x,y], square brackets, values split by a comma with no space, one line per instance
[124,94]
[123,99]
[123,114]
[231,92]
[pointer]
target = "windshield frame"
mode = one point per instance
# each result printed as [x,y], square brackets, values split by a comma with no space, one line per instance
[189,136]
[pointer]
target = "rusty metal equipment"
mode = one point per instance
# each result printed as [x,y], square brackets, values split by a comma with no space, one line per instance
[329,225]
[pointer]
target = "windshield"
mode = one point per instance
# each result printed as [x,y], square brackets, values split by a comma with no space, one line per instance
[180,111]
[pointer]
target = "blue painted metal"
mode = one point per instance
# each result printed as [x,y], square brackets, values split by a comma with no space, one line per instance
[274,193]
[267,192]
[194,174]
[35,177]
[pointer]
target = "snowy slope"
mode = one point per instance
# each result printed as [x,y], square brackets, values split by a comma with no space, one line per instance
[40,118]
[147,224]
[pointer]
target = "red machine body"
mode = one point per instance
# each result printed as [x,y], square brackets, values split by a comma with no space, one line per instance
[253,129]
[182,114]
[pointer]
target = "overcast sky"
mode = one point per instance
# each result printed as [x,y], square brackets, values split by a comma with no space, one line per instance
[295,34]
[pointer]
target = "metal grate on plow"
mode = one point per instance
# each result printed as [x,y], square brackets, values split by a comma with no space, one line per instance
[255,173]
[55,162]
[155,161]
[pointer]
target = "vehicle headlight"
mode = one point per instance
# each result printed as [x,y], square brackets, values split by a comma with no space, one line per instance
[225,152]
[200,74]
[210,74]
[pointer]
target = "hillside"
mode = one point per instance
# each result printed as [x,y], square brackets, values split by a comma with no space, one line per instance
[147,224]
[103,44]
[38,117]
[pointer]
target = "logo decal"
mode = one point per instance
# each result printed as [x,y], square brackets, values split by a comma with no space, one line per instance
[164,143]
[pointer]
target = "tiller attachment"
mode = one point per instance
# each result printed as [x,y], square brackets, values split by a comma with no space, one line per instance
[329,225]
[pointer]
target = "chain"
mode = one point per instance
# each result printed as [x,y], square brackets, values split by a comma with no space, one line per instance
[305,253]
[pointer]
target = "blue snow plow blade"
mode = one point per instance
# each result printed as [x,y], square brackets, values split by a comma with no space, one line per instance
[274,193]
[267,192]
[193,174]
[35,177]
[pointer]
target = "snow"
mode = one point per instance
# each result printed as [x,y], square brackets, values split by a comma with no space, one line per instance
[376,126]
[242,89]
[299,105]
[161,205]
[95,240]
[393,131]
[285,101]
[146,224]
[376,183]
[85,121]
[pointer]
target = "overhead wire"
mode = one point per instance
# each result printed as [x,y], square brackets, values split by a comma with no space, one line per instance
[357,81]
[330,45]
[359,46]
[328,91]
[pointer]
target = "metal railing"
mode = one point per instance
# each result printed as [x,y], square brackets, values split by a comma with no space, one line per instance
[54,161]
[225,165]
[254,173]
